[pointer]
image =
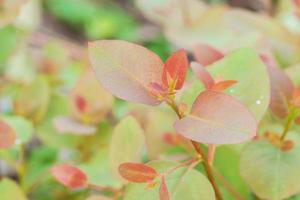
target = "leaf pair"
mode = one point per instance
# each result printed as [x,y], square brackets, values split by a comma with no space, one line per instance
[132,72]
[215,117]
[140,173]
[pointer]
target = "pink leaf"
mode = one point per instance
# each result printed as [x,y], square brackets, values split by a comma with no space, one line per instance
[7,135]
[67,125]
[69,176]
[126,69]
[281,88]
[206,54]
[223,85]
[175,69]
[203,75]
[137,172]
[163,190]
[217,118]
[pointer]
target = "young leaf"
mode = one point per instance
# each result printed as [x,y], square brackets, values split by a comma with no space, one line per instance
[7,135]
[183,183]
[217,118]
[271,172]
[126,69]
[69,176]
[223,85]
[67,125]
[136,172]
[203,75]
[206,54]
[175,69]
[126,144]
[281,88]
[163,190]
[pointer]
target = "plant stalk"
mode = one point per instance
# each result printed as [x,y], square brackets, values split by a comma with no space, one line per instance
[171,102]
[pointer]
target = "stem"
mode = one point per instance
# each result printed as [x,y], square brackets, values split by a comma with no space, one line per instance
[208,170]
[289,122]
[188,162]
[171,102]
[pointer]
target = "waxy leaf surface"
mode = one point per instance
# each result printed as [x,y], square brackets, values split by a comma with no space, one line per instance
[126,69]
[217,118]
[270,172]
[137,172]
[126,144]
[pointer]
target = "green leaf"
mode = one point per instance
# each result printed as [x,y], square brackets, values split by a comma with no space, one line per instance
[227,162]
[182,184]
[9,190]
[270,172]
[252,87]
[126,143]
[23,128]
[32,100]
[58,105]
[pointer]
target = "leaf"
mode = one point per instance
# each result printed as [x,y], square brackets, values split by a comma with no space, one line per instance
[270,172]
[67,125]
[245,66]
[90,103]
[126,69]
[281,88]
[175,69]
[183,183]
[223,85]
[163,190]
[206,55]
[203,75]
[22,127]
[39,91]
[69,176]
[293,73]
[137,172]
[7,135]
[126,144]
[9,190]
[217,118]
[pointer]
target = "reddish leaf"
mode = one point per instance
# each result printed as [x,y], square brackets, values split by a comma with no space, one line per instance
[163,190]
[136,172]
[69,176]
[296,98]
[126,69]
[297,121]
[80,103]
[281,88]
[206,55]
[223,85]
[211,153]
[203,75]
[7,135]
[217,118]
[175,69]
